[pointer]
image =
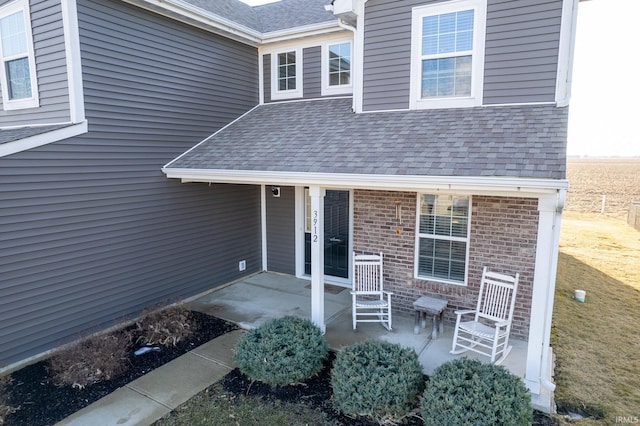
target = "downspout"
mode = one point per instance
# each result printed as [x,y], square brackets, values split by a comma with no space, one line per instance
[355,70]
[546,341]
[357,73]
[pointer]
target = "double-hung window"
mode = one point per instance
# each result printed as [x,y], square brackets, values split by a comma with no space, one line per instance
[336,68]
[442,240]
[286,74]
[448,54]
[18,75]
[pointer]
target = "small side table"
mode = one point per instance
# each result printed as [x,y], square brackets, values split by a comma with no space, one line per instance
[429,306]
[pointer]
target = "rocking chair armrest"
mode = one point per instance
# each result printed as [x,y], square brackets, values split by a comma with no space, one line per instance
[389,293]
[465,312]
[502,323]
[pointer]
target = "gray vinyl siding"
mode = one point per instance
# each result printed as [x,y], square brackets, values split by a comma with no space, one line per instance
[522,45]
[387,54]
[92,229]
[281,231]
[51,69]
[521,52]
[266,72]
[312,75]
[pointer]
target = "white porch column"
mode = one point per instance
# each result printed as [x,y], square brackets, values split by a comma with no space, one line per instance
[544,281]
[317,256]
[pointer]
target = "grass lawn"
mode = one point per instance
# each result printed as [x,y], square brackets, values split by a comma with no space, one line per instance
[596,343]
[215,406]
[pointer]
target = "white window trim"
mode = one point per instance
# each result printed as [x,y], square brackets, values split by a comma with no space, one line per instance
[33,101]
[477,77]
[342,89]
[417,243]
[286,94]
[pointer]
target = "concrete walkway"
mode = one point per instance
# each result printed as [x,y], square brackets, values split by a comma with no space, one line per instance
[160,391]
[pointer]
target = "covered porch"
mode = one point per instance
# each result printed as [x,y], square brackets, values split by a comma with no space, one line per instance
[256,299]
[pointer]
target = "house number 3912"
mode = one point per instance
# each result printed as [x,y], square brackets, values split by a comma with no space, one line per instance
[314,236]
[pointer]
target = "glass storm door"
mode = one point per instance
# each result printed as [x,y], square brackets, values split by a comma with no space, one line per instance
[336,235]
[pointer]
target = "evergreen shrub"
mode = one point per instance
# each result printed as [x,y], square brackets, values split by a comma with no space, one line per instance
[282,351]
[469,392]
[376,379]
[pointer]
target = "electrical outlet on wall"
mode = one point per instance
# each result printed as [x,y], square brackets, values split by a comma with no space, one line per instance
[242,265]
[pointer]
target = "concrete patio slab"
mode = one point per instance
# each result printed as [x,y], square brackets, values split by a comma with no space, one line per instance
[220,350]
[122,407]
[340,332]
[437,353]
[265,296]
[177,381]
[262,297]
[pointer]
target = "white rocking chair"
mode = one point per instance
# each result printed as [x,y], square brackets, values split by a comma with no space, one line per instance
[488,332]
[370,302]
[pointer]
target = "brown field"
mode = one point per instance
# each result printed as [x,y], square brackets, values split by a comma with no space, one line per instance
[590,178]
[597,369]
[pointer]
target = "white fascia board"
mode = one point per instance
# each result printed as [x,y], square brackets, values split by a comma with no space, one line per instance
[201,18]
[566,52]
[472,185]
[72,52]
[42,139]
[193,15]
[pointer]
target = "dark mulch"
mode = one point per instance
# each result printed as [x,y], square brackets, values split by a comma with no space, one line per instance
[317,394]
[41,402]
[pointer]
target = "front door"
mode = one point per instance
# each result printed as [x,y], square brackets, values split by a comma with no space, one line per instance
[336,235]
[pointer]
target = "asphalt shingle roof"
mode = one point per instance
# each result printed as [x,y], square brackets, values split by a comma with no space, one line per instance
[276,16]
[293,13]
[12,135]
[323,136]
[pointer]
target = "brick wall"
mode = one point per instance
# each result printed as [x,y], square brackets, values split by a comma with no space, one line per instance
[503,238]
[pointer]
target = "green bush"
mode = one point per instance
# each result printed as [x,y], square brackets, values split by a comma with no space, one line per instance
[469,392]
[376,379]
[282,351]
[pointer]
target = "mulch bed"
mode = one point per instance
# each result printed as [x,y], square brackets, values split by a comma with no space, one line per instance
[316,393]
[41,402]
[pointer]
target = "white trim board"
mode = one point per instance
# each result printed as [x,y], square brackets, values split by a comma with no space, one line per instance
[471,185]
[43,139]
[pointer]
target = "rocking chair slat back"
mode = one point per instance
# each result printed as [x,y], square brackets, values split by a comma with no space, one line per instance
[496,299]
[368,275]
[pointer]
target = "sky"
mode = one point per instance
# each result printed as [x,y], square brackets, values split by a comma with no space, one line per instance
[604,110]
[605,88]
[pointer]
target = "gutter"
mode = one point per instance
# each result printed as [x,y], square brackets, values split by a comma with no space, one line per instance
[522,187]
[208,21]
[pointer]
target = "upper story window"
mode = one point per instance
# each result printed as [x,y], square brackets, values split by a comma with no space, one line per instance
[286,74]
[336,68]
[18,77]
[447,59]
[442,240]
